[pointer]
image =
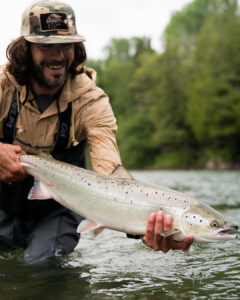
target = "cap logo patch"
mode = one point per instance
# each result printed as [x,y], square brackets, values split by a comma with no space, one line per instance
[53,21]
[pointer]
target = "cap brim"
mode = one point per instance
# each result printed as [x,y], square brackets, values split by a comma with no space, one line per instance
[55,39]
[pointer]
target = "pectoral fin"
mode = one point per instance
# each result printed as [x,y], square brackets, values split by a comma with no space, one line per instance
[87,225]
[165,233]
[38,192]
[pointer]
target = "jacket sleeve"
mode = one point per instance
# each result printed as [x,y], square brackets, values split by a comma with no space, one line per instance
[100,127]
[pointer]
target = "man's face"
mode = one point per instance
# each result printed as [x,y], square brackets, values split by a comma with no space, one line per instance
[51,63]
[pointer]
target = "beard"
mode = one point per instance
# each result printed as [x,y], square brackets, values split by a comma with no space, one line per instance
[52,81]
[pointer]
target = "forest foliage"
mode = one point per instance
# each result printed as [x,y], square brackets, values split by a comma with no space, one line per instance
[179,108]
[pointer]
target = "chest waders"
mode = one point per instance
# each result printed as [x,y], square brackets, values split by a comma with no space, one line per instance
[54,226]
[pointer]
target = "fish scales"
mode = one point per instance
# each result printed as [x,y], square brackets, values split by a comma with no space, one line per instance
[115,203]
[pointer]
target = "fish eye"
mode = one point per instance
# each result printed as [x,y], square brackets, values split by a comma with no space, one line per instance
[215,223]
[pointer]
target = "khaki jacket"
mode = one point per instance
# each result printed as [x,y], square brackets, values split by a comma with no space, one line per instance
[92,118]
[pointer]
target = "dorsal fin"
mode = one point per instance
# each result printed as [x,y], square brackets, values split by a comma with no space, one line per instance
[45,154]
[121,172]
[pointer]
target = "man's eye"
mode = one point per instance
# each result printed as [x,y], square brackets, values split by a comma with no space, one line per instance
[67,45]
[44,47]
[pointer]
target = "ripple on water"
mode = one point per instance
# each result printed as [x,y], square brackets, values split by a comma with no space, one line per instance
[112,266]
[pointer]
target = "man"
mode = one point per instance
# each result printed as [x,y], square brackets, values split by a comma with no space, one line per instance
[49,101]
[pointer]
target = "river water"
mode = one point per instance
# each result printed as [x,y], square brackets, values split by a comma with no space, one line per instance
[114,267]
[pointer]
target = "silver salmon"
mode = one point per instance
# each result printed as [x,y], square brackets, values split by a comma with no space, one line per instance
[122,203]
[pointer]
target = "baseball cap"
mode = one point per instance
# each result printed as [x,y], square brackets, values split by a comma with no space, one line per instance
[50,22]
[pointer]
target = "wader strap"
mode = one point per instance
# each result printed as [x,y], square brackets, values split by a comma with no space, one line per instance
[9,125]
[61,137]
[63,134]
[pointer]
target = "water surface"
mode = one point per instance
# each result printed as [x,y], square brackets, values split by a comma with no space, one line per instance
[114,267]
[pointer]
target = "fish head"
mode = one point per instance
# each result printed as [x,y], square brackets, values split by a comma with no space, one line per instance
[206,224]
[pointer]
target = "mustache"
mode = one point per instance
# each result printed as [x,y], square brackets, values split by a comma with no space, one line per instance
[54,62]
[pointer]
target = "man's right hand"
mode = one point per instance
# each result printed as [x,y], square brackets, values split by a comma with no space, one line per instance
[10,168]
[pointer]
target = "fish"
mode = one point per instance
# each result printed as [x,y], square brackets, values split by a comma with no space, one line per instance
[122,203]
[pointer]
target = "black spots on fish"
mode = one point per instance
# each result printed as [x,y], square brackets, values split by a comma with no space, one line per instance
[126,192]
[99,182]
[156,193]
[147,194]
[141,191]
[201,221]
[161,208]
[115,199]
[131,202]
[169,198]
[163,194]
[106,187]
[89,184]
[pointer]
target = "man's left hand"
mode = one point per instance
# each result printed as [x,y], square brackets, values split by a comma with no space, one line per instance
[158,222]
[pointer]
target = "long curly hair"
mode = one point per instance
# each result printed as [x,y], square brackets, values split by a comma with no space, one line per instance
[20,61]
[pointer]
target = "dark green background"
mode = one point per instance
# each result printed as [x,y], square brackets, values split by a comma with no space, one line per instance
[179,108]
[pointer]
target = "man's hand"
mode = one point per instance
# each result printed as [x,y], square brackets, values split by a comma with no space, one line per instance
[156,223]
[10,168]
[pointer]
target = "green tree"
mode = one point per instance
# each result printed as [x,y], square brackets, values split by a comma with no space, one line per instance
[214,96]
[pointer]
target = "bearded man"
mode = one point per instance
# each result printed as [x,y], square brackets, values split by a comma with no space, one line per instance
[49,101]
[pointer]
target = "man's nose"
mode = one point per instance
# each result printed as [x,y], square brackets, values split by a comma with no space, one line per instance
[57,52]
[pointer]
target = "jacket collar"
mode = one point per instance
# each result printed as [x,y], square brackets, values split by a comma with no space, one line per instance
[73,88]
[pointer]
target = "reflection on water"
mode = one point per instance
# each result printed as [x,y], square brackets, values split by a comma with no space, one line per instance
[112,266]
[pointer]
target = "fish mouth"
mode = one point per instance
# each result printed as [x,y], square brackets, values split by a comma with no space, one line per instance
[227,233]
